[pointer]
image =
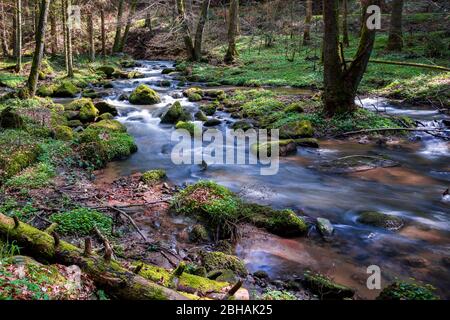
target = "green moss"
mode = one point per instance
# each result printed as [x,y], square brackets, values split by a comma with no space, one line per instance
[285,147]
[380,220]
[81,222]
[106,116]
[282,222]
[88,113]
[34,177]
[219,260]
[210,109]
[153,176]
[193,90]
[200,116]
[175,114]
[294,108]
[74,123]
[325,288]
[109,125]
[189,126]
[144,95]
[194,97]
[63,133]
[215,93]
[66,89]
[278,295]
[307,142]
[198,233]
[104,107]
[402,290]
[107,70]
[297,129]
[46,90]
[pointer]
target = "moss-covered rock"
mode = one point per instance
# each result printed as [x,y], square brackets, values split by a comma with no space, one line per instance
[278,295]
[175,114]
[294,108]
[193,90]
[307,142]
[380,220]
[64,133]
[281,222]
[88,112]
[242,125]
[198,233]
[74,123]
[402,290]
[107,70]
[46,90]
[109,125]
[168,70]
[105,107]
[221,261]
[200,116]
[325,288]
[297,129]
[66,89]
[164,83]
[194,97]
[9,119]
[215,93]
[285,147]
[212,122]
[153,176]
[189,126]
[144,95]
[16,158]
[210,109]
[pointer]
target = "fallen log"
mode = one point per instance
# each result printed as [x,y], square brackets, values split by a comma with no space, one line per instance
[111,276]
[392,129]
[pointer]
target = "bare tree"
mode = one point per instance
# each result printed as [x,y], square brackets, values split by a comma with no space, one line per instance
[102,21]
[200,27]
[4,33]
[189,44]
[233,22]
[341,81]
[39,49]
[128,26]
[117,38]
[18,41]
[395,41]
[345,38]
[308,20]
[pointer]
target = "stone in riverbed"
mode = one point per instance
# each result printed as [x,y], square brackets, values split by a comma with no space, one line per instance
[212,123]
[325,288]
[105,107]
[242,125]
[381,220]
[297,129]
[201,116]
[325,227]
[144,95]
[175,114]
[307,142]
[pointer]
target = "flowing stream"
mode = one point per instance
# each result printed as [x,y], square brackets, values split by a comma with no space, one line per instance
[412,190]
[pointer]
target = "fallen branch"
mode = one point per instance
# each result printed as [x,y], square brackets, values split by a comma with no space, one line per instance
[408,64]
[392,129]
[233,290]
[114,278]
[131,221]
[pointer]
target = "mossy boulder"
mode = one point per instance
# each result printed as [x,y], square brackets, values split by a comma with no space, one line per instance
[128,63]
[88,112]
[105,107]
[281,222]
[210,109]
[168,70]
[153,176]
[198,234]
[46,91]
[380,220]
[212,122]
[193,90]
[109,125]
[74,123]
[189,126]
[165,83]
[143,95]
[200,116]
[194,97]
[15,159]
[175,114]
[285,147]
[307,142]
[76,105]
[242,125]
[105,116]
[294,108]
[66,89]
[297,129]
[107,70]
[325,288]
[9,119]
[220,261]
[402,290]
[325,227]
[64,133]
[216,94]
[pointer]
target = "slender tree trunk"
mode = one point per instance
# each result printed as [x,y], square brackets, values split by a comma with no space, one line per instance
[148,21]
[18,35]
[341,82]
[308,20]
[69,39]
[53,31]
[200,27]
[233,22]
[395,41]
[128,26]
[39,50]
[90,27]
[4,33]
[64,29]
[345,38]
[102,17]
[185,30]
[117,38]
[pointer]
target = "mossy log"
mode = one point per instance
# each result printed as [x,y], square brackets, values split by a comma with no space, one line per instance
[109,275]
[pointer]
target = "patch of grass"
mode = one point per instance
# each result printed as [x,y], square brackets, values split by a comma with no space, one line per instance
[403,290]
[8,249]
[278,295]
[24,212]
[11,80]
[81,222]
[34,177]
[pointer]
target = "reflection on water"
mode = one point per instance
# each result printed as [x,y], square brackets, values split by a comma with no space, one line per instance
[413,191]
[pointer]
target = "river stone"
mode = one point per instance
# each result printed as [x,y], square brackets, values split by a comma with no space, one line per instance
[297,129]
[243,125]
[354,164]
[381,220]
[105,107]
[325,227]
[212,123]
[446,122]
[325,288]
[143,95]
[175,114]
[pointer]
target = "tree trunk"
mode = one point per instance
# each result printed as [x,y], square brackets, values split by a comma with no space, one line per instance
[200,27]
[345,38]
[117,38]
[128,26]
[341,83]
[233,21]
[39,49]
[395,41]
[107,274]
[308,20]
[148,21]
[102,18]
[90,27]
[53,31]
[64,29]
[4,33]
[189,44]
[69,39]
[18,41]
